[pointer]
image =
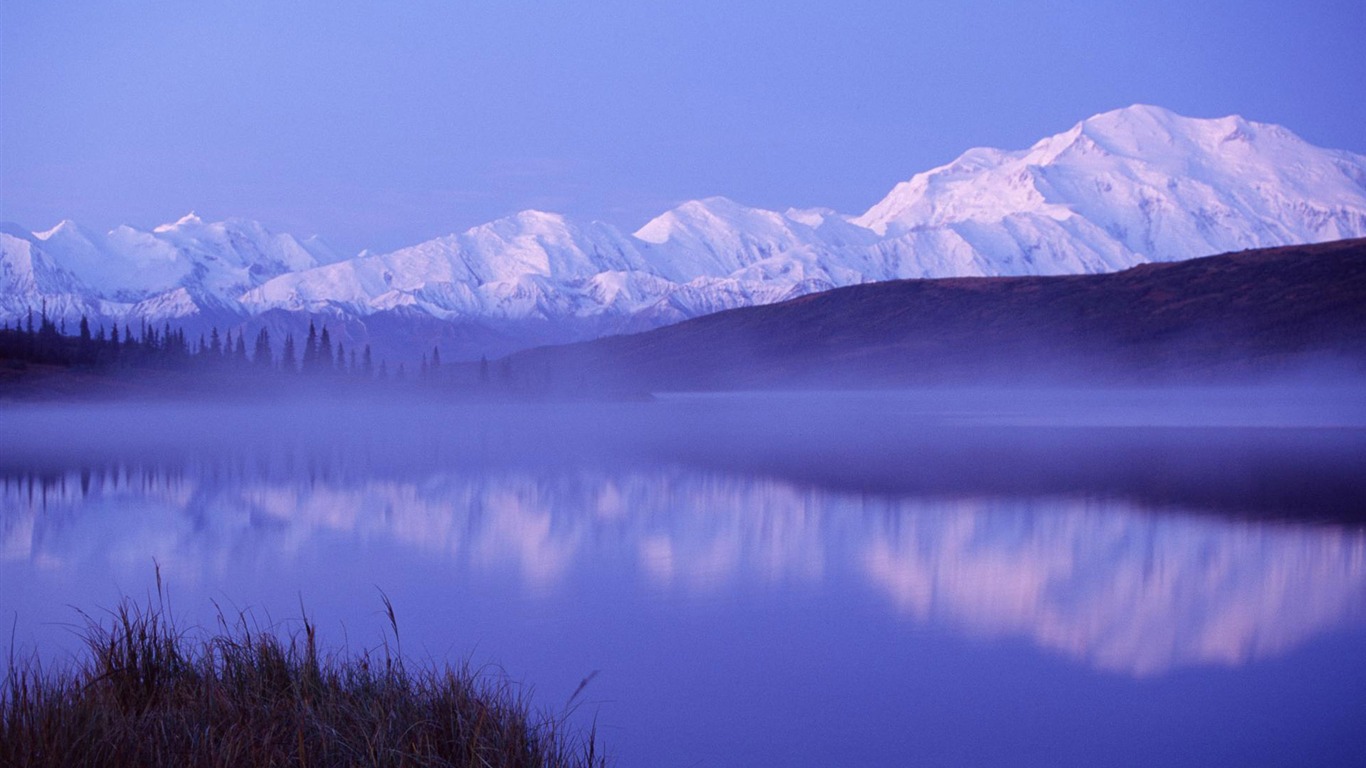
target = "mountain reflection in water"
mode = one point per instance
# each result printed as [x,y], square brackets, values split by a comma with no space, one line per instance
[1100,580]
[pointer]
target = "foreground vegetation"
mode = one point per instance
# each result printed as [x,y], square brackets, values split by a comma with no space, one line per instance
[148,694]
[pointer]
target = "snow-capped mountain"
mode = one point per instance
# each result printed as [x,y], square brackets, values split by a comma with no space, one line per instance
[1119,189]
[1125,187]
[175,271]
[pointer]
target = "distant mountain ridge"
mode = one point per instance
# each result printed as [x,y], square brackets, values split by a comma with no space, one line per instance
[1122,188]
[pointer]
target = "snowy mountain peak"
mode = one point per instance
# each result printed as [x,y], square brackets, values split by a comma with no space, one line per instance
[188,220]
[710,217]
[1159,136]
[813,217]
[64,228]
[523,223]
[1143,120]
[1154,134]
[1157,184]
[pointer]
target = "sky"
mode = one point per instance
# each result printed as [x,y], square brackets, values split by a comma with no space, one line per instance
[379,125]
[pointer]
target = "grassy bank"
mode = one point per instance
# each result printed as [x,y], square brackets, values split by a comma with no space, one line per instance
[148,694]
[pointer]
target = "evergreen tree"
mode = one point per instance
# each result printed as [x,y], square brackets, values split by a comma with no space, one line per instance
[181,346]
[287,362]
[367,365]
[341,358]
[215,345]
[30,338]
[324,361]
[49,339]
[239,352]
[261,355]
[436,363]
[310,361]
[85,350]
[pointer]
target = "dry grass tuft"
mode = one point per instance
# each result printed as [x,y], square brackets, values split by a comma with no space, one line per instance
[148,694]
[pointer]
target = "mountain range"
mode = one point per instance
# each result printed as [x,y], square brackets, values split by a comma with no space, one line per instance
[1119,189]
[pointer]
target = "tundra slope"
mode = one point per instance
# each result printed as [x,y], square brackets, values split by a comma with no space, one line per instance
[1259,313]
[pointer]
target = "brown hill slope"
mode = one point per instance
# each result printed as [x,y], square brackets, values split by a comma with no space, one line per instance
[1254,312]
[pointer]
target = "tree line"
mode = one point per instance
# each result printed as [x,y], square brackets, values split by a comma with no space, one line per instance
[40,339]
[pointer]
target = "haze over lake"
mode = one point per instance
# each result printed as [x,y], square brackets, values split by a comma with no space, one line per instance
[1016,578]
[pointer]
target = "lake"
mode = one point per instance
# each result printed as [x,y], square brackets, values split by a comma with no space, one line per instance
[975,577]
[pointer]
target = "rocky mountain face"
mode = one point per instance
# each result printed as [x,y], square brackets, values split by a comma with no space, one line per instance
[1123,188]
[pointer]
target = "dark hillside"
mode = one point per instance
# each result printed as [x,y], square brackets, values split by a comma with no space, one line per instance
[1250,313]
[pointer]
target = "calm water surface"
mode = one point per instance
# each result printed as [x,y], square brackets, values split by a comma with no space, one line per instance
[911,579]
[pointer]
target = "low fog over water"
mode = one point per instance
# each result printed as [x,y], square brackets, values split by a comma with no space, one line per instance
[1046,577]
[1278,450]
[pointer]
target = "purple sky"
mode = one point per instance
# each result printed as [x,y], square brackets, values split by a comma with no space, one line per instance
[382,124]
